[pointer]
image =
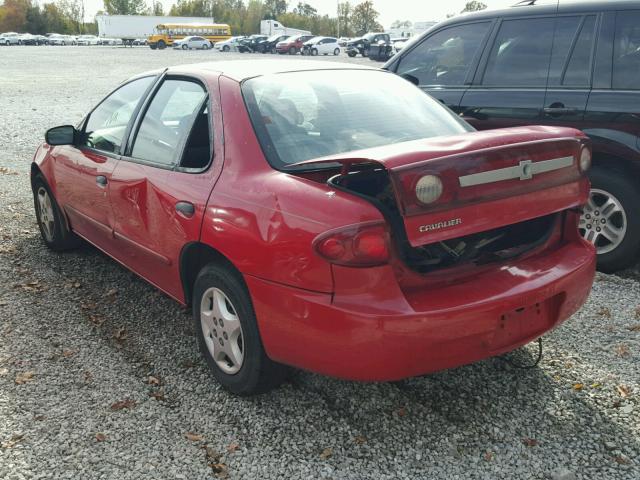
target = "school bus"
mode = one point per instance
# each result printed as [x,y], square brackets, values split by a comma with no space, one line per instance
[166,33]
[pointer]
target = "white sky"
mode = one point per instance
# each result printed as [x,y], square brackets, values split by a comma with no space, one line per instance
[390,10]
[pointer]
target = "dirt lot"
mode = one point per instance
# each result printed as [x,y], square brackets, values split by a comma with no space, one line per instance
[100,377]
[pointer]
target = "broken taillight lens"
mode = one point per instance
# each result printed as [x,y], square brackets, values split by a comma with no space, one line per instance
[360,245]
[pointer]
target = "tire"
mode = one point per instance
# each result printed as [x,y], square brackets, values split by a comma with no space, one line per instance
[622,218]
[314,52]
[153,47]
[351,54]
[53,227]
[226,48]
[162,45]
[205,47]
[336,52]
[250,371]
[292,51]
[185,46]
[63,44]
[273,50]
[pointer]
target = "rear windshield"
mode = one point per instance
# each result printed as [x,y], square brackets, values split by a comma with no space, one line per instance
[303,115]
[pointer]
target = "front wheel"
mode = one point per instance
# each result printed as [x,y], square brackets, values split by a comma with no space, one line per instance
[292,51]
[162,45]
[314,52]
[228,334]
[351,53]
[205,47]
[336,51]
[610,220]
[185,47]
[226,48]
[53,227]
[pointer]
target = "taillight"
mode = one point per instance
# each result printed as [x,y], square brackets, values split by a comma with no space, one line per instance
[360,245]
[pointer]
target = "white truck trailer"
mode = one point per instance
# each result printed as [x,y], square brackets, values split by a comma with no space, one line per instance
[130,27]
[273,27]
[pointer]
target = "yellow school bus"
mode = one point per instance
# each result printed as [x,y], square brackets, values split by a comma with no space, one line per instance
[167,33]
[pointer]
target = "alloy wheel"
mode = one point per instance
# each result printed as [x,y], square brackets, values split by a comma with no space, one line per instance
[46,217]
[604,221]
[222,330]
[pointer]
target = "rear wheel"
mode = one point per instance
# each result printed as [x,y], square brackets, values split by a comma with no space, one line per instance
[228,334]
[351,53]
[205,47]
[185,46]
[336,51]
[292,51]
[610,220]
[53,227]
[226,48]
[314,52]
[153,47]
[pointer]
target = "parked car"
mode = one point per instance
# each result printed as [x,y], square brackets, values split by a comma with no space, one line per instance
[88,40]
[321,46]
[398,44]
[28,39]
[192,43]
[140,42]
[576,66]
[230,44]
[394,242]
[292,45]
[250,44]
[10,38]
[361,45]
[269,45]
[58,39]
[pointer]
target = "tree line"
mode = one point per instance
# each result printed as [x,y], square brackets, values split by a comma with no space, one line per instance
[67,16]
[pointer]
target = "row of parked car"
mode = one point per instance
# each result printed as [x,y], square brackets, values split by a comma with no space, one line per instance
[13,38]
[377,46]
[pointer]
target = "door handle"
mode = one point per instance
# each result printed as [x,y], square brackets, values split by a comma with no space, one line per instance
[101,180]
[559,109]
[186,209]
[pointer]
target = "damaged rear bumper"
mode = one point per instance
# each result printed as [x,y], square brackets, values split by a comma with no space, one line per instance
[371,330]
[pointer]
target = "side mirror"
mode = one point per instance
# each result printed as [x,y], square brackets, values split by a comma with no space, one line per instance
[63,135]
[410,78]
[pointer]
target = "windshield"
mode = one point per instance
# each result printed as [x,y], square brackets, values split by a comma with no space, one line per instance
[303,115]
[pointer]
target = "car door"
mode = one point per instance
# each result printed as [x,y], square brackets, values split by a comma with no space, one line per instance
[570,71]
[510,85]
[444,62]
[83,171]
[160,188]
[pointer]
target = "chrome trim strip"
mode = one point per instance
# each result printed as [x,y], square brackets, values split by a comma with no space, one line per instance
[525,170]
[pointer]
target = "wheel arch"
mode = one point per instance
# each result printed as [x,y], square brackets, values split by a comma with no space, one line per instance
[615,162]
[193,257]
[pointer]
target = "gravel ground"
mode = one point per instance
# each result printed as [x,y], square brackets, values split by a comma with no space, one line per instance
[100,376]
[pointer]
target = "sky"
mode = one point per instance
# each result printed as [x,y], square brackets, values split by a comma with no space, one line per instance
[390,10]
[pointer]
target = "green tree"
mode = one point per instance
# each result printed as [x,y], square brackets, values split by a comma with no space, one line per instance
[73,12]
[305,10]
[126,7]
[191,8]
[13,15]
[274,8]
[157,9]
[364,18]
[402,24]
[473,6]
[53,19]
[344,19]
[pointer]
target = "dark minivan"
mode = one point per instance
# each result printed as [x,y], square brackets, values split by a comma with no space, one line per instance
[573,64]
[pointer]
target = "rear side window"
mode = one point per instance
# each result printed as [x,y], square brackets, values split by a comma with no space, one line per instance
[572,50]
[168,120]
[445,57]
[626,51]
[521,53]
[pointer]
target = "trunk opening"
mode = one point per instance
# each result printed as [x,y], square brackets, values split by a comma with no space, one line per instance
[478,248]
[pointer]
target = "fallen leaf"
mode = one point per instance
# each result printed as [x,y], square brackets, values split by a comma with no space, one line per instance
[39,418]
[87,305]
[88,376]
[623,390]
[326,453]
[122,404]
[634,328]
[622,460]
[67,353]
[604,312]
[578,386]
[120,334]
[151,380]
[194,437]
[637,313]
[401,412]
[622,350]
[15,439]
[111,294]
[212,454]
[76,285]
[595,385]
[24,377]
[100,437]
[488,455]
[233,447]
[3,371]
[220,469]
[530,442]
[360,439]
[96,319]
[158,395]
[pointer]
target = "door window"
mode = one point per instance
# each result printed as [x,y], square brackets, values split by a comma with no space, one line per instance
[571,56]
[107,124]
[626,51]
[521,53]
[445,57]
[579,68]
[167,121]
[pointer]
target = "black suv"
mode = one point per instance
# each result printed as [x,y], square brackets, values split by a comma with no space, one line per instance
[570,64]
[250,44]
[363,44]
[269,44]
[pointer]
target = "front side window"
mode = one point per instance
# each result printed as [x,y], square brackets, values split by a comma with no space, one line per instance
[626,51]
[295,114]
[107,124]
[445,57]
[521,53]
[168,121]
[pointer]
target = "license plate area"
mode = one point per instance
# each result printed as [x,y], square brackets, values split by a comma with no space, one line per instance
[524,322]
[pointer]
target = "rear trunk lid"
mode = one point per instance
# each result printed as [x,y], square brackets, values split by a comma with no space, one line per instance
[490,179]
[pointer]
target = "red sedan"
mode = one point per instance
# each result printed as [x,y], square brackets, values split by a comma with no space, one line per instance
[323,216]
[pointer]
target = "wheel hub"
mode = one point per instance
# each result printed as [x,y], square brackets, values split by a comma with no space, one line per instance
[222,330]
[47,217]
[603,221]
